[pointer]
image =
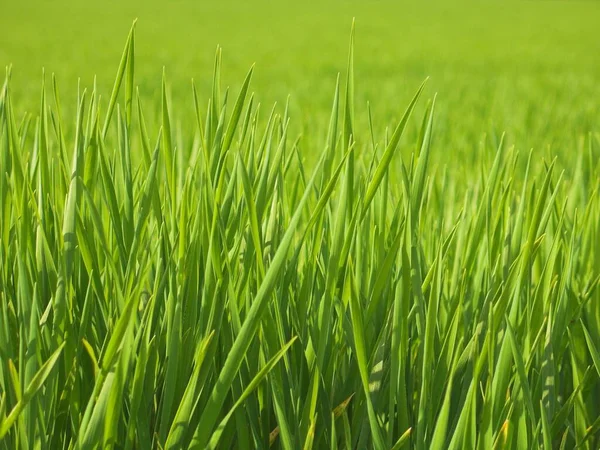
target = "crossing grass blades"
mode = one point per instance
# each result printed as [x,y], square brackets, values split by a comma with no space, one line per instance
[229,295]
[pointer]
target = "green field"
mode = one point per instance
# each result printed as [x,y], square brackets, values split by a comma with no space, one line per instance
[377,261]
[524,68]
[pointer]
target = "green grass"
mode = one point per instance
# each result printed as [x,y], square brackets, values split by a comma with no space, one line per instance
[183,268]
[524,68]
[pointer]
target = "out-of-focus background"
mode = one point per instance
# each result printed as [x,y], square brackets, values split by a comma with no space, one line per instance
[530,69]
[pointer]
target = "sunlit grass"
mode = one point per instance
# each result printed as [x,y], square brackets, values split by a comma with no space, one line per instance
[219,286]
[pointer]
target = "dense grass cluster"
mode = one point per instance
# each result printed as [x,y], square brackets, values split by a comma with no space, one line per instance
[230,294]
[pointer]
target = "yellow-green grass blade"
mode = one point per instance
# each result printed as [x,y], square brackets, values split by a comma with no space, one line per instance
[361,357]
[249,327]
[252,385]
[123,64]
[33,387]
[386,159]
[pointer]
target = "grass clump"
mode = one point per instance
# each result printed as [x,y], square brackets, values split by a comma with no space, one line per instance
[228,294]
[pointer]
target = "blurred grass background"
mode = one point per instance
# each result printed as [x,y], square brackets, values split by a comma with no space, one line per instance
[528,68]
